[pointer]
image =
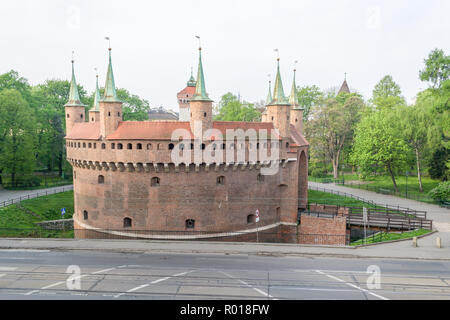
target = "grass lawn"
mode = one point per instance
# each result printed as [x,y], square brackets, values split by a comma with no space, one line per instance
[384,236]
[15,222]
[334,199]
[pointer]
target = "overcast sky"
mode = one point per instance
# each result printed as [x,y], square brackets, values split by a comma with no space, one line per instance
[154,43]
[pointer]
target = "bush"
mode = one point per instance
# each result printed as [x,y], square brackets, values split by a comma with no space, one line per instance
[441,193]
[319,173]
[28,181]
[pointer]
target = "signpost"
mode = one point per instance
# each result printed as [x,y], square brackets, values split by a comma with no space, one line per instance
[257,221]
[365,222]
[63,212]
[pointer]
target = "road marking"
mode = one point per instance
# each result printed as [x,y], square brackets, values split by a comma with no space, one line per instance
[245,283]
[23,250]
[352,285]
[153,282]
[2,275]
[71,278]
[7,268]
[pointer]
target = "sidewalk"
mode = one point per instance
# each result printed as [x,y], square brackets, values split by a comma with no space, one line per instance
[397,250]
[7,195]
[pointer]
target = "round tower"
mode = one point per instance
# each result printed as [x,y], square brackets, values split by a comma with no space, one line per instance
[278,110]
[201,104]
[184,97]
[74,109]
[110,106]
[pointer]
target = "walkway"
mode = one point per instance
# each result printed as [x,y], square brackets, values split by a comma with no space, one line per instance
[6,196]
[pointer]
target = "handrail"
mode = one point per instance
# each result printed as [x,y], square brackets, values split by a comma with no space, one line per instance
[35,195]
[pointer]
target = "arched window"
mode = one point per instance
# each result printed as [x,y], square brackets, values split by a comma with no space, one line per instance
[113,145]
[85,215]
[171,146]
[190,224]
[149,146]
[181,146]
[95,146]
[129,146]
[90,145]
[84,144]
[251,218]
[101,179]
[155,182]
[119,146]
[139,146]
[127,222]
[220,180]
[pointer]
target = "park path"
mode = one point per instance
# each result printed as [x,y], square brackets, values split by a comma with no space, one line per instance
[6,196]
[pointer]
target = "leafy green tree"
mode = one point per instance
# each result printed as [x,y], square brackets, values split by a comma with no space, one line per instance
[331,127]
[231,109]
[387,94]
[437,68]
[12,80]
[379,144]
[17,144]
[134,108]
[308,96]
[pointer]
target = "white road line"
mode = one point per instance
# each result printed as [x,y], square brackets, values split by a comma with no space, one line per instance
[245,283]
[72,278]
[8,268]
[23,250]
[2,275]
[352,285]
[153,282]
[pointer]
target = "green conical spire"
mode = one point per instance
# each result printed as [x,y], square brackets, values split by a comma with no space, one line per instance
[269,95]
[96,105]
[74,96]
[110,86]
[191,82]
[278,93]
[200,89]
[293,98]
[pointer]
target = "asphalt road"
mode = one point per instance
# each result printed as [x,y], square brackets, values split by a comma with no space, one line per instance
[43,274]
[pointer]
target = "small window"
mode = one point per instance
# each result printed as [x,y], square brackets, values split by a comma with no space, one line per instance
[113,145]
[181,146]
[171,146]
[287,145]
[149,146]
[159,147]
[119,146]
[95,146]
[68,115]
[109,114]
[127,223]
[103,146]
[272,118]
[101,179]
[81,116]
[190,224]
[296,120]
[203,146]
[139,146]
[129,146]
[79,145]
[221,180]
[85,215]
[251,218]
[90,145]
[155,182]
[204,114]
[92,119]
[118,114]
[260,178]
[84,144]
[74,174]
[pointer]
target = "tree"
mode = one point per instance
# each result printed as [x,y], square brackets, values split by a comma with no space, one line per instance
[17,144]
[308,96]
[332,125]
[134,108]
[387,94]
[51,96]
[231,109]
[437,68]
[379,143]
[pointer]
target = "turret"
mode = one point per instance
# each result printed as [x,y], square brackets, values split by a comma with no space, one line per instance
[268,101]
[296,116]
[110,106]
[74,108]
[201,104]
[94,113]
[184,97]
[278,110]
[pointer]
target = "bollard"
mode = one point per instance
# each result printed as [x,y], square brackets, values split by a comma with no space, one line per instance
[415,242]
[438,242]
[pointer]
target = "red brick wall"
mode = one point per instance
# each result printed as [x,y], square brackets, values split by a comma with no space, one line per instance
[327,231]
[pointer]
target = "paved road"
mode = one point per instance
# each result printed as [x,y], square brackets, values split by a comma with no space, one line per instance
[42,274]
[7,195]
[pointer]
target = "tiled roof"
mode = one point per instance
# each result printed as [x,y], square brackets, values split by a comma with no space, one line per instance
[188,90]
[298,138]
[85,131]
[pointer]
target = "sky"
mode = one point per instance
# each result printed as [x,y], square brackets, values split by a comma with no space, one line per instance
[154,45]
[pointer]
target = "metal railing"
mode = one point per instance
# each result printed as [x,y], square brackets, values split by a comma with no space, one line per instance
[9,202]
